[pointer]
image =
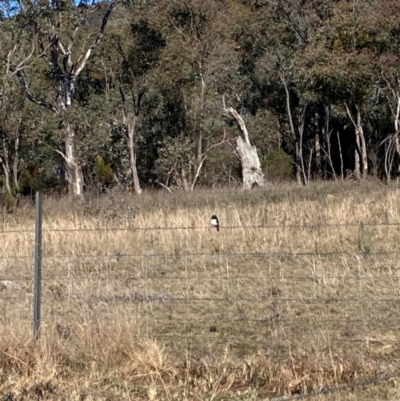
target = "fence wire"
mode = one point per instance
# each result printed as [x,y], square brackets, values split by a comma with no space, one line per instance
[132,227]
[307,300]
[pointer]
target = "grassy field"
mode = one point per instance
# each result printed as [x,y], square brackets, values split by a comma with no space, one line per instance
[142,300]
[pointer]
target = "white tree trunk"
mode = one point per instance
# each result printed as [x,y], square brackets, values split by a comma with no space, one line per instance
[5,163]
[397,114]
[251,167]
[360,155]
[73,169]
[299,141]
[6,172]
[298,138]
[363,143]
[318,157]
[16,162]
[185,183]
[357,160]
[397,127]
[65,72]
[132,153]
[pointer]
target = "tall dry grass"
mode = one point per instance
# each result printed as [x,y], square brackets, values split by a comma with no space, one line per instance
[143,300]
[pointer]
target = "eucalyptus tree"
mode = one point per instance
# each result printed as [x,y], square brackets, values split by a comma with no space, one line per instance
[273,38]
[197,66]
[252,174]
[303,19]
[129,56]
[13,125]
[386,44]
[65,37]
[339,65]
[16,52]
[268,45]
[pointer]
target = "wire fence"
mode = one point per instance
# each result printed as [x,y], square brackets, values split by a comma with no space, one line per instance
[340,294]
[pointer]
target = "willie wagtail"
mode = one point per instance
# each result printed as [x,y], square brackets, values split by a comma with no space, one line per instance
[215,222]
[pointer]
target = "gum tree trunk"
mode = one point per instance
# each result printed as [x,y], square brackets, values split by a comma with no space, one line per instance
[74,173]
[297,135]
[360,156]
[5,164]
[9,161]
[131,125]
[251,167]
[64,71]
[130,117]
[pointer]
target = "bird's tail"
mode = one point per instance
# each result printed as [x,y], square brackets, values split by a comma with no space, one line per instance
[217,228]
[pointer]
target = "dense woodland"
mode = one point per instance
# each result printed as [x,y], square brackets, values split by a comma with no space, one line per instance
[129,95]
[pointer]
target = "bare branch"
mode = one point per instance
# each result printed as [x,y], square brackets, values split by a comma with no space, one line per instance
[164,186]
[83,60]
[42,49]
[288,106]
[350,115]
[224,140]
[21,65]
[178,30]
[67,53]
[61,154]
[61,47]
[204,157]
[71,42]
[25,60]
[122,94]
[139,99]
[9,55]
[32,98]
[232,113]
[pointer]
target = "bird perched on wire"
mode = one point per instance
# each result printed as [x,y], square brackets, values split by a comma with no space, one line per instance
[215,222]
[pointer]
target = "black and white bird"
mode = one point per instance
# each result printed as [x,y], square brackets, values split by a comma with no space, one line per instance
[215,222]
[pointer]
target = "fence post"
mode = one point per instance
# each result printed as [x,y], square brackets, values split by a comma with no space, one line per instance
[37,267]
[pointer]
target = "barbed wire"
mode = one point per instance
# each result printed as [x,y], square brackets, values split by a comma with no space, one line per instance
[107,277]
[73,277]
[67,317]
[232,227]
[149,255]
[148,276]
[149,297]
[315,278]
[227,299]
[30,231]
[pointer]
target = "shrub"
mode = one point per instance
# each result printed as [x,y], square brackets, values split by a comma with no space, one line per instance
[278,165]
[103,171]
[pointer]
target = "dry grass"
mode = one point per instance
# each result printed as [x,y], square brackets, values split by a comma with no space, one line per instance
[299,290]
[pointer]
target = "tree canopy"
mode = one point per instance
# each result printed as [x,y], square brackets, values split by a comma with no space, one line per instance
[129,95]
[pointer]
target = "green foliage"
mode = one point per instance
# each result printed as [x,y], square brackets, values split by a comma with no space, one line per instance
[145,47]
[278,165]
[175,153]
[10,200]
[182,57]
[102,170]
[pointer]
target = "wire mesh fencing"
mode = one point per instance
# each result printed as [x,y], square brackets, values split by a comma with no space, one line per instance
[340,294]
